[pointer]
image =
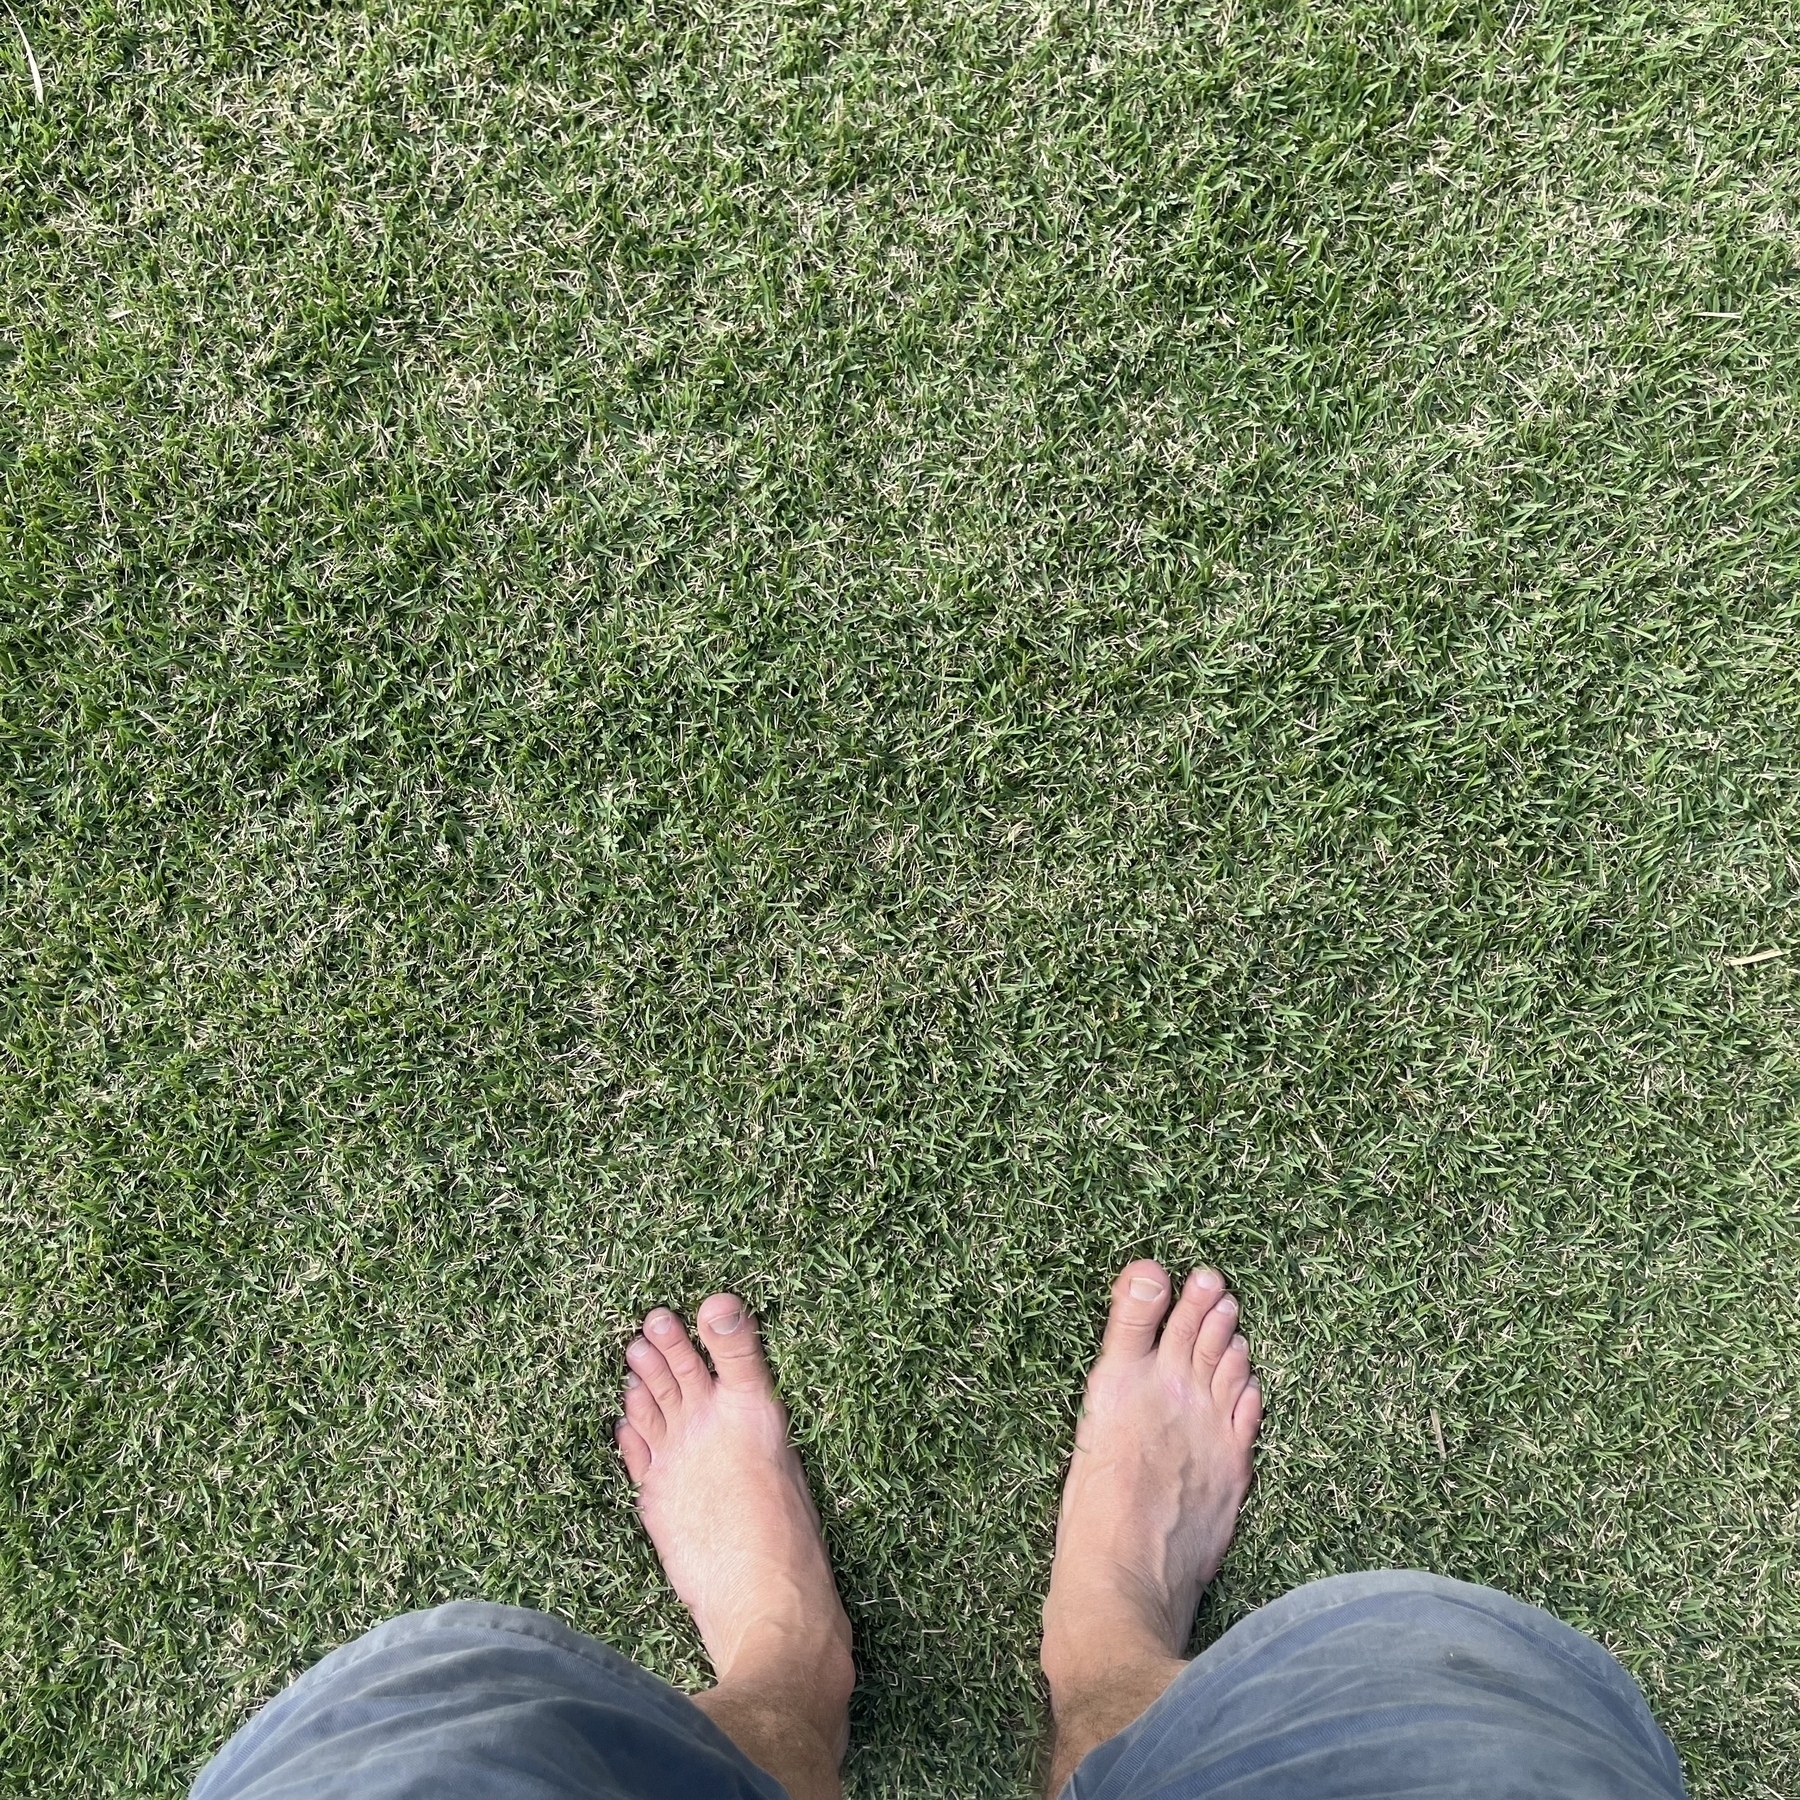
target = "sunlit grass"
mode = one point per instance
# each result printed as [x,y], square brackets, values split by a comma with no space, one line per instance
[884,655]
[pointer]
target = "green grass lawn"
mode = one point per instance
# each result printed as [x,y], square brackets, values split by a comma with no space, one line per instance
[886,653]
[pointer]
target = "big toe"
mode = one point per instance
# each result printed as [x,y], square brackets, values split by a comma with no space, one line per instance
[729,1334]
[1140,1297]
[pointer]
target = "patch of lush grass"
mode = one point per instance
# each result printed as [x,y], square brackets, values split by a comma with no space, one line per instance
[885,654]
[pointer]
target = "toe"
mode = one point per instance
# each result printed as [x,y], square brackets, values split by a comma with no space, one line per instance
[1214,1336]
[651,1367]
[729,1334]
[664,1330]
[642,1410]
[1199,1294]
[634,1450]
[1140,1297]
[1232,1375]
[1246,1416]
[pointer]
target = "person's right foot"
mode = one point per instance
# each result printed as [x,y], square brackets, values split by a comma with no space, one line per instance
[1161,1466]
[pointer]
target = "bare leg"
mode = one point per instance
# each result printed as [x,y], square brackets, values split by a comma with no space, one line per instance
[1161,1466]
[725,1502]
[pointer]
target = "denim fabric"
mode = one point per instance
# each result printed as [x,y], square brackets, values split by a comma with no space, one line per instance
[1366,1687]
[478,1702]
[1393,1686]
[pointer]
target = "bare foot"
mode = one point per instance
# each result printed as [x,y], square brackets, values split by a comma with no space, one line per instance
[726,1504]
[1161,1466]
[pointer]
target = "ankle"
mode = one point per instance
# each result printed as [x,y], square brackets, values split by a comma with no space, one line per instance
[795,1728]
[1094,1698]
[810,1667]
[1094,1639]
[1104,1682]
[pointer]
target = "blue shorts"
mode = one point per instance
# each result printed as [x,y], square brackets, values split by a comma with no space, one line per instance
[1363,1687]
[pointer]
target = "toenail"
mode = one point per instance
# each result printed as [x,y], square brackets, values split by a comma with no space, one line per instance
[1208,1278]
[725,1323]
[633,1378]
[661,1323]
[1143,1288]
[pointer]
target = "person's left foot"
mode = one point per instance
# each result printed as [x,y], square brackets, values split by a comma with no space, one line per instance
[726,1505]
